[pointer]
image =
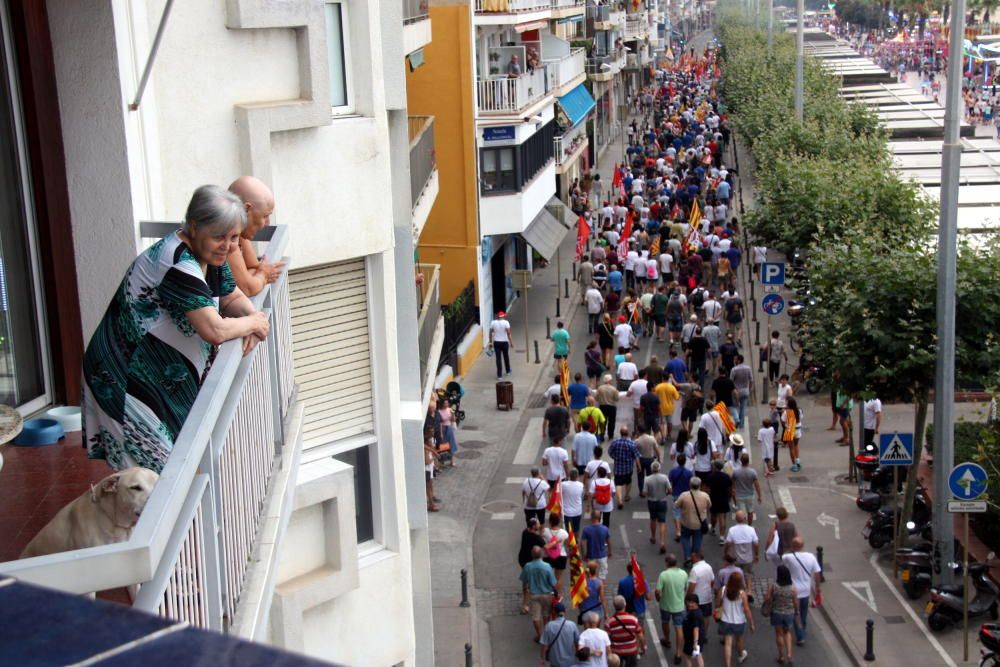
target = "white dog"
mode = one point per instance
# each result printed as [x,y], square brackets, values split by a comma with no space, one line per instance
[103,515]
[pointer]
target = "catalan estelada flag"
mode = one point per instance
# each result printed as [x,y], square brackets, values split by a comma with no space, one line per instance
[555,498]
[695,219]
[564,379]
[577,575]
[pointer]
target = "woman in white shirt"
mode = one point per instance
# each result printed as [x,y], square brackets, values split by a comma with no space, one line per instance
[683,446]
[703,452]
[555,547]
[734,618]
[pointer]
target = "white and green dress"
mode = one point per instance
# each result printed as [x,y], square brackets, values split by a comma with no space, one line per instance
[145,363]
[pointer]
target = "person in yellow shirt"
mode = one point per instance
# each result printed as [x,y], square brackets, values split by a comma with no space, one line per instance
[668,393]
[593,414]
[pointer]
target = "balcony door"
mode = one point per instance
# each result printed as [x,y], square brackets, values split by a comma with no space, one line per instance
[24,373]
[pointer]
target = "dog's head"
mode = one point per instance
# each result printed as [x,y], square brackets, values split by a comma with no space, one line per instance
[128,490]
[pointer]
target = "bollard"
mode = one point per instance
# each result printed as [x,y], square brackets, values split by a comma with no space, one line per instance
[548,328]
[566,283]
[465,588]
[753,294]
[574,270]
[819,559]
[557,307]
[869,640]
[756,341]
[537,360]
[753,307]
[468,655]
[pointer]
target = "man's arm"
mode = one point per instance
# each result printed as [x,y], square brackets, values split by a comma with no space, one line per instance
[756,484]
[545,427]
[609,545]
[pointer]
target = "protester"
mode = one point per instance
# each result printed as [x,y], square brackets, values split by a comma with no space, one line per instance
[671,587]
[559,639]
[806,575]
[538,583]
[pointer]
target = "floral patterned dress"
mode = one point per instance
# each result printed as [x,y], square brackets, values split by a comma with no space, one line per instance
[145,363]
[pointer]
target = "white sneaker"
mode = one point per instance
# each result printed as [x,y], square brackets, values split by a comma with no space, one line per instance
[743,656]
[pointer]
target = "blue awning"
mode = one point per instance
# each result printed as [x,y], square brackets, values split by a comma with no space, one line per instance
[577,103]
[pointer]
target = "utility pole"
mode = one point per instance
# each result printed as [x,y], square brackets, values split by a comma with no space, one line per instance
[800,48]
[944,380]
[770,26]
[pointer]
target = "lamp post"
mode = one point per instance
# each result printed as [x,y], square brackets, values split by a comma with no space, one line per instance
[800,41]
[770,25]
[944,381]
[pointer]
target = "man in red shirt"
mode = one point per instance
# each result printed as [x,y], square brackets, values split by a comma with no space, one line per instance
[627,639]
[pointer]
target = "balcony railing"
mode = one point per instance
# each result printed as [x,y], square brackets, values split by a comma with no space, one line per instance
[512,6]
[506,95]
[566,4]
[599,14]
[197,536]
[415,10]
[422,155]
[567,144]
[430,313]
[567,68]
[634,28]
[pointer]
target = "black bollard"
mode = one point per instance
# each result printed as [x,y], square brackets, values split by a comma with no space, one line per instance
[465,589]
[753,291]
[756,335]
[574,270]
[753,307]
[869,640]
[548,328]
[557,307]
[468,655]
[819,559]
[566,283]
[537,360]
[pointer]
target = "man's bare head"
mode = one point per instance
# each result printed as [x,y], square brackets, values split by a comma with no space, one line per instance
[258,200]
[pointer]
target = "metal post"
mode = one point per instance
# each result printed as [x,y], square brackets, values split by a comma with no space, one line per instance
[465,588]
[756,333]
[566,286]
[767,376]
[895,519]
[819,559]
[558,267]
[548,328]
[869,641]
[468,655]
[527,352]
[574,270]
[800,40]
[770,25]
[558,313]
[965,592]
[537,360]
[944,381]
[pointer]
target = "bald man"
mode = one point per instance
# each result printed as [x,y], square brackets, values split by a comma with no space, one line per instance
[251,274]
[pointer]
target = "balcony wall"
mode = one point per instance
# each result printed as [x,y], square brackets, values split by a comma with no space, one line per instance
[424,180]
[565,72]
[500,12]
[511,213]
[216,512]
[430,323]
[506,96]
[416,25]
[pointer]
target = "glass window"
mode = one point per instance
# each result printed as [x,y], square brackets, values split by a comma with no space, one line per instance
[338,56]
[363,506]
[22,367]
[498,169]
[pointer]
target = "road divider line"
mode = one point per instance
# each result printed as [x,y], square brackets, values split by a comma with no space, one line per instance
[786,499]
[531,441]
[912,614]
[655,637]
[640,515]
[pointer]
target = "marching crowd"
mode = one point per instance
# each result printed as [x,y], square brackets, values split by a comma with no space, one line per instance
[658,254]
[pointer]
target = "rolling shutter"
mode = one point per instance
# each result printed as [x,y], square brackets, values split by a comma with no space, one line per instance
[331,351]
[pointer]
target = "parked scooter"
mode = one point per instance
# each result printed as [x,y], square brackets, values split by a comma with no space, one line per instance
[916,565]
[989,637]
[878,529]
[880,486]
[945,606]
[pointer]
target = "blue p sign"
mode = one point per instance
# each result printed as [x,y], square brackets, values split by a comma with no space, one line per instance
[772,273]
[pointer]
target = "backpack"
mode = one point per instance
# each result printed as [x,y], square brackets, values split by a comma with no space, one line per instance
[602,493]
[533,496]
[734,310]
[698,297]
[674,305]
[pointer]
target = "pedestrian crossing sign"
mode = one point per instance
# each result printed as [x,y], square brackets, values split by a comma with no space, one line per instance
[895,449]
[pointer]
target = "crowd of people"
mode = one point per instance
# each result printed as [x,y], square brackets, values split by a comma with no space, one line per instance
[658,268]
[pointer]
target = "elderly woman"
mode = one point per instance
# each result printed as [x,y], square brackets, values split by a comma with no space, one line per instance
[151,351]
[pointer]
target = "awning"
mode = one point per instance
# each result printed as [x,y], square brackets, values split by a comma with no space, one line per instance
[577,103]
[545,233]
[531,25]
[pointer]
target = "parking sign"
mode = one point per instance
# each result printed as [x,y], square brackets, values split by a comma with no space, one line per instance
[772,273]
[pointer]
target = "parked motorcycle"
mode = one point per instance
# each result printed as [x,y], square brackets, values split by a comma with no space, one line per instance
[945,606]
[916,566]
[880,490]
[878,529]
[989,637]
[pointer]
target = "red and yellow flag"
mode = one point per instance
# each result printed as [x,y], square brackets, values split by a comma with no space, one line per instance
[582,234]
[564,379]
[616,177]
[577,575]
[724,416]
[695,219]
[555,498]
[638,577]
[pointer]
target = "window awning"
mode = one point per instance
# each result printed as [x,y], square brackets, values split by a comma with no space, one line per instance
[545,233]
[577,103]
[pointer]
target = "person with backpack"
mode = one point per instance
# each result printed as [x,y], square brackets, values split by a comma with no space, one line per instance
[559,639]
[533,497]
[734,314]
[674,313]
[602,492]
[595,545]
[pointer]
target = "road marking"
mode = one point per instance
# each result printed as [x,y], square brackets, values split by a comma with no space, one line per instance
[514,480]
[856,587]
[827,520]
[640,515]
[531,441]
[786,499]
[655,637]
[628,546]
[912,614]
[502,516]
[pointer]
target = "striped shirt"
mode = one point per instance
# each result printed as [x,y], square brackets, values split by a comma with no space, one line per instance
[623,629]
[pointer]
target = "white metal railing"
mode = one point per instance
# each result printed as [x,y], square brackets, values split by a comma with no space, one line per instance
[567,144]
[634,28]
[563,4]
[512,6]
[430,313]
[190,549]
[632,60]
[505,95]
[567,68]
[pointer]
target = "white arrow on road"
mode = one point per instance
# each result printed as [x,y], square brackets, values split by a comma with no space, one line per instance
[856,587]
[827,520]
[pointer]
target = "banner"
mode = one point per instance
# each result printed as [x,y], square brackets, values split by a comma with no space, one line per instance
[582,234]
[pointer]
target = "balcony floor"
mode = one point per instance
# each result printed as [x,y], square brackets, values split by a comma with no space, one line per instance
[36,482]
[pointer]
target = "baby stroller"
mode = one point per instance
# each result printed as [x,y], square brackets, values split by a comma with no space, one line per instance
[453,392]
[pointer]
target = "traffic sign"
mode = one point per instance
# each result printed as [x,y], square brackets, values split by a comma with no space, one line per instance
[772,273]
[895,449]
[967,481]
[772,304]
[966,506]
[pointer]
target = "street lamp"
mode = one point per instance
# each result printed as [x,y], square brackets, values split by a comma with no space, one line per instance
[800,41]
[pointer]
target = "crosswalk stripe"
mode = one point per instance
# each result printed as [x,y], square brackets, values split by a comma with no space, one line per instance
[786,499]
[502,516]
[527,451]
[640,515]
[514,480]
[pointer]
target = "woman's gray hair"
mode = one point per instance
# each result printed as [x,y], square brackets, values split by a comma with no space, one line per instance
[215,210]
